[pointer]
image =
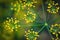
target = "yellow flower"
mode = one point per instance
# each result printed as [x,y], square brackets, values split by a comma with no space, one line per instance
[53,8]
[11,24]
[30,17]
[31,35]
[55,30]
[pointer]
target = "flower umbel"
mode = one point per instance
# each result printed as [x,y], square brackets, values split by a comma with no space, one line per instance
[55,30]
[31,35]
[30,17]
[11,24]
[53,7]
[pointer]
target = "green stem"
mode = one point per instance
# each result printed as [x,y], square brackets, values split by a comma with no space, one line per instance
[43,10]
[41,29]
[49,32]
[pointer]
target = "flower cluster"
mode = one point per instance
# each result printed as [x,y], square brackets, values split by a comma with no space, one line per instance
[20,5]
[31,35]
[55,30]
[11,24]
[53,7]
[30,17]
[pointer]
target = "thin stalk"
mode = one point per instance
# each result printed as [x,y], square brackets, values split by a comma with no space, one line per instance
[41,29]
[49,32]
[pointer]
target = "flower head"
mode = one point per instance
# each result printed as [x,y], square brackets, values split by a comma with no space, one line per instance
[53,8]
[30,17]
[11,24]
[31,35]
[55,30]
